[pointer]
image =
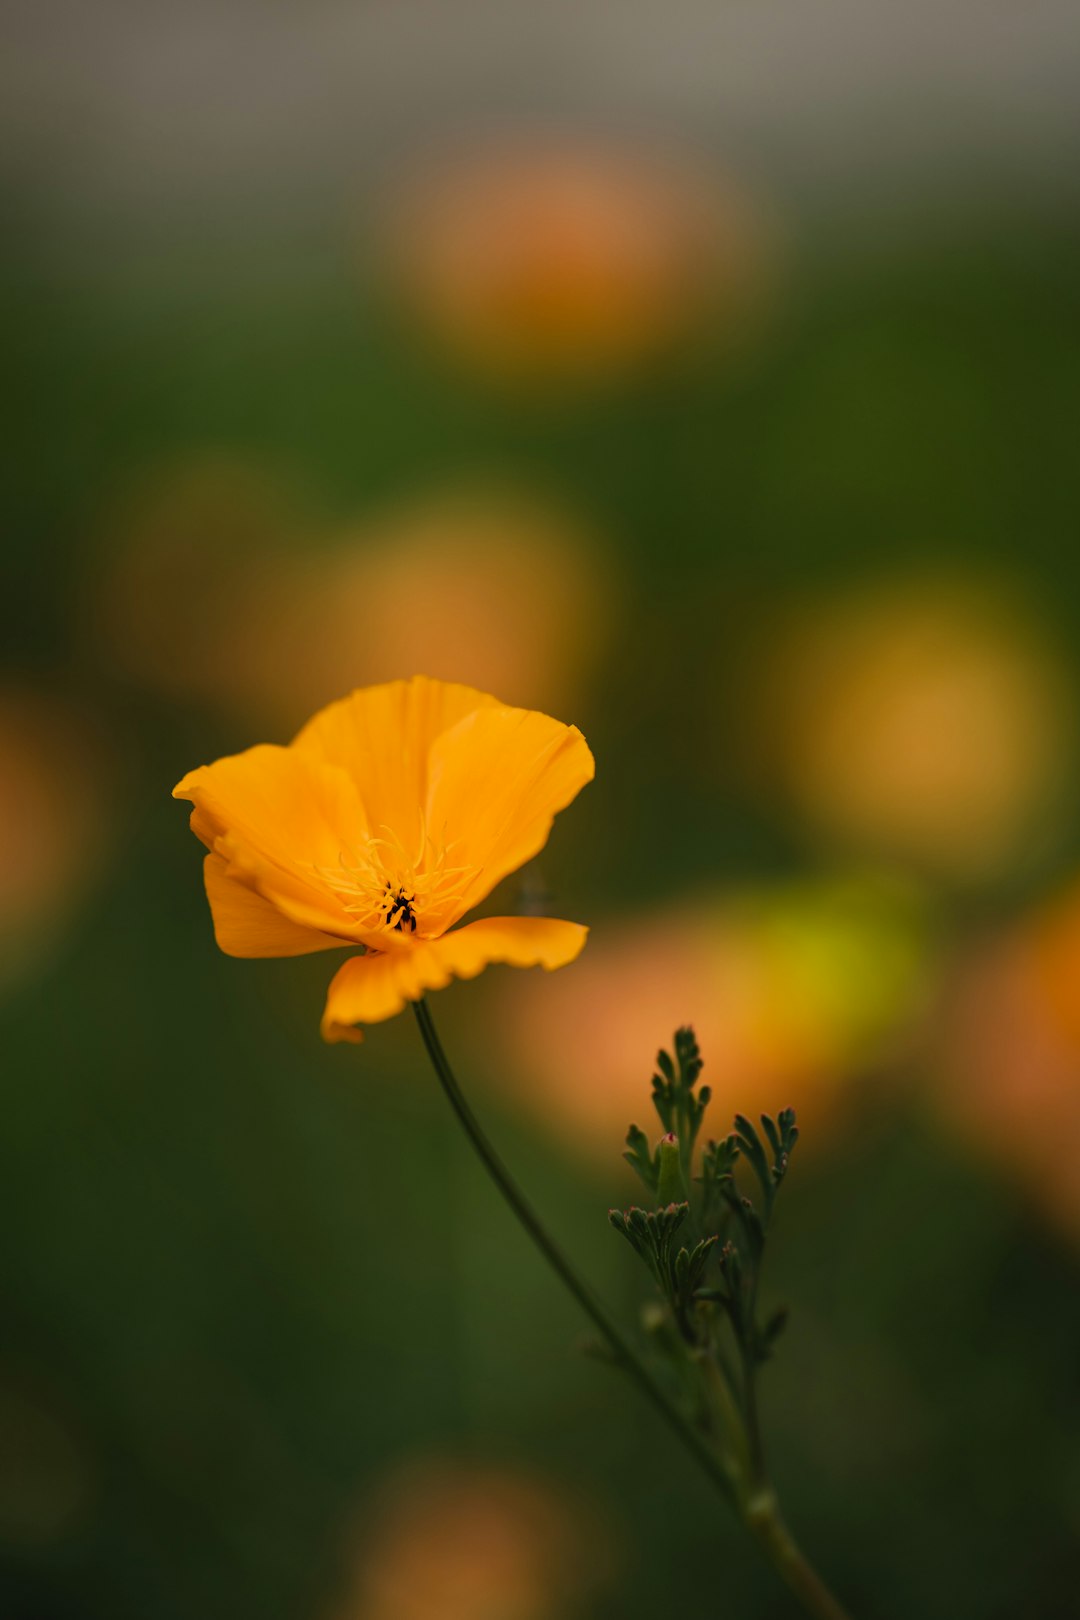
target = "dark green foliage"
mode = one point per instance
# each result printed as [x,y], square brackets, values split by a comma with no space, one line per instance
[718,1176]
[712,1309]
[678,1107]
[645,1161]
[651,1234]
[723,1213]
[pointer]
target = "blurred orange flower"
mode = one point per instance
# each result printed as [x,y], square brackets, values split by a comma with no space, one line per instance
[554,261]
[450,1540]
[507,591]
[53,820]
[1010,1071]
[391,814]
[789,993]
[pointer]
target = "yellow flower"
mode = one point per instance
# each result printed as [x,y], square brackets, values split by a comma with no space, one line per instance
[390,815]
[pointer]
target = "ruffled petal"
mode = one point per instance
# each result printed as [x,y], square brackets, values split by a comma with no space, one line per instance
[498,779]
[246,924]
[368,989]
[382,737]
[281,821]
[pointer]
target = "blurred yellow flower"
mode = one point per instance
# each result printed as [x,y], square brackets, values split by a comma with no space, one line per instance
[390,815]
[926,720]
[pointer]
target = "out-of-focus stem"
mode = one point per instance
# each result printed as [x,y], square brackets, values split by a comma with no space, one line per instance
[761,1516]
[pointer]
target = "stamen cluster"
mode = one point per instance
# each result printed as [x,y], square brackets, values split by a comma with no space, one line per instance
[383,886]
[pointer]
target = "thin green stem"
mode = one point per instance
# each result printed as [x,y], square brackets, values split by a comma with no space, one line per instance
[749,1371]
[760,1511]
[762,1518]
[625,1355]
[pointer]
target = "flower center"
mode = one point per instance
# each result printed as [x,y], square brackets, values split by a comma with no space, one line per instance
[400,905]
[384,887]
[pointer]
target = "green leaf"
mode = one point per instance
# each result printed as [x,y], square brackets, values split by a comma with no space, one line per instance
[750,1142]
[643,1159]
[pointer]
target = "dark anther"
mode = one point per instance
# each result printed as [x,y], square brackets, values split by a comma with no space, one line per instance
[403,904]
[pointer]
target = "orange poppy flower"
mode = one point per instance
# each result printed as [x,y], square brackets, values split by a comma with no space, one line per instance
[390,815]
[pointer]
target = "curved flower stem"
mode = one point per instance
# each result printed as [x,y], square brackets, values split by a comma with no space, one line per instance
[623,1352]
[761,1513]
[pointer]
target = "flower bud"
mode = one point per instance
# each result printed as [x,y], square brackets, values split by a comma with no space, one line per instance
[671,1187]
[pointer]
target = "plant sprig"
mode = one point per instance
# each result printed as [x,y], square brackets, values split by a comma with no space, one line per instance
[710,1281]
[710,1403]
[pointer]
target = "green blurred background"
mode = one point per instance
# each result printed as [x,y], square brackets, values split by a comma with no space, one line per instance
[709,379]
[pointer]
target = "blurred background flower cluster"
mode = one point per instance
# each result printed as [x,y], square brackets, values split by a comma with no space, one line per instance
[705,376]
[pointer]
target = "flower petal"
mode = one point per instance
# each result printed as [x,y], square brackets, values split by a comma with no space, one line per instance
[281,820]
[498,778]
[382,737]
[292,809]
[368,989]
[246,924]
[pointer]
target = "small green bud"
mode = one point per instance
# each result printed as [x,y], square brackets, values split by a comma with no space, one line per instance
[671,1187]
